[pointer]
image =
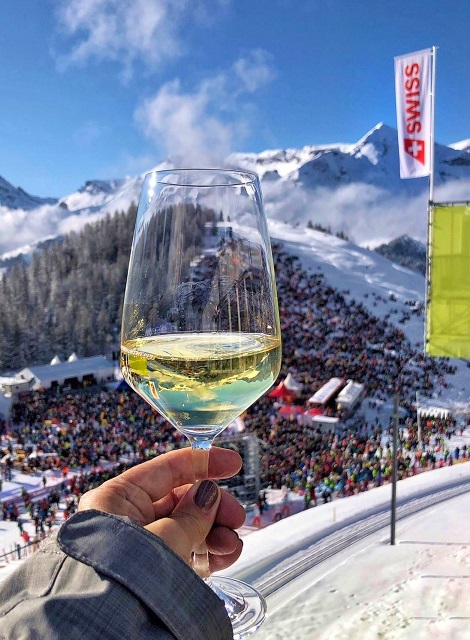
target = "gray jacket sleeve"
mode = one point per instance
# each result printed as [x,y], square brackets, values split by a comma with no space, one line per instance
[105,578]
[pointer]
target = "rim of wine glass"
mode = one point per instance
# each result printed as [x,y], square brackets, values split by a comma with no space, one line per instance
[250,177]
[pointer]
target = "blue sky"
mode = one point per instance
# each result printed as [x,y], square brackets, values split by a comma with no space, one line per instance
[98,89]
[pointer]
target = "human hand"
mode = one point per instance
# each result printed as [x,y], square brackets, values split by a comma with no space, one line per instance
[158,495]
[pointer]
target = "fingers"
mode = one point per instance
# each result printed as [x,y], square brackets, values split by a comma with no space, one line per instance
[230,513]
[222,541]
[191,520]
[119,498]
[158,495]
[161,475]
[224,546]
[194,521]
[219,563]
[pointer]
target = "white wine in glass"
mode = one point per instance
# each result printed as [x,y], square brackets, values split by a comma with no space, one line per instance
[200,329]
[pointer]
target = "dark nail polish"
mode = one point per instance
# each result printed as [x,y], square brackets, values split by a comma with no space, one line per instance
[206,495]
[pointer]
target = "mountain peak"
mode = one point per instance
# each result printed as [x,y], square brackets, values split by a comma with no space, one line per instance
[16,198]
[463,145]
[406,251]
[96,187]
[377,143]
[407,241]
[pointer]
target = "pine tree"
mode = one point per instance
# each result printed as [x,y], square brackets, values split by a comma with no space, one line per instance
[69,299]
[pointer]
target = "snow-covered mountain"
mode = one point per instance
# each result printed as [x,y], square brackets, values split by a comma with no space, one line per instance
[353,188]
[373,160]
[99,194]
[15,198]
[405,251]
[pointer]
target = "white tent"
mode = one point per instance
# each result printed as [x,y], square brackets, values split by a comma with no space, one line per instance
[292,384]
[326,424]
[433,412]
[48,375]
[328,391]
[350,396]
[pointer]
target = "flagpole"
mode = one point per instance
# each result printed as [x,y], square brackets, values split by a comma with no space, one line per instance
[431,136]
[431,195]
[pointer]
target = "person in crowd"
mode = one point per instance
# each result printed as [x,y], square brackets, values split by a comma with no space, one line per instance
[307,498]
[120,567]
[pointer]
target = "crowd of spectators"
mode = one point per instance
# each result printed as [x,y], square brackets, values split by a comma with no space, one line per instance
[349,462]
[81,429]
[325,334]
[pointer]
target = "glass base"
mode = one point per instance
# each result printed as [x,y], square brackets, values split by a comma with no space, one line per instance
[245,606]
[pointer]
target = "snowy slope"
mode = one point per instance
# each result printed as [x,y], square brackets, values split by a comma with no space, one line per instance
[462,145]
[384,288]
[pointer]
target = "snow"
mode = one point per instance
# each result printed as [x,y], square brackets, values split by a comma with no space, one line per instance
[414,589]
[461,146]
[383,287]
[367,591]
[16,198]
[373,589]
[9,531]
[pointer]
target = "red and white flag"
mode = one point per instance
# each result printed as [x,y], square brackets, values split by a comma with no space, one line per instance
[413,95]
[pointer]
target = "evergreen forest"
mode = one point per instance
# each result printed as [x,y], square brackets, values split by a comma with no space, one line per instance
[69,297]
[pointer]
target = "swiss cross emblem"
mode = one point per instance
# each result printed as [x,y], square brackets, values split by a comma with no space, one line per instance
[415,148]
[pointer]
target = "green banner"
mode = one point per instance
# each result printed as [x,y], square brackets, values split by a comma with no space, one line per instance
[448,304]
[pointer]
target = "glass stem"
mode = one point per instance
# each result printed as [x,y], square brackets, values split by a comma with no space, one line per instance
[200,447]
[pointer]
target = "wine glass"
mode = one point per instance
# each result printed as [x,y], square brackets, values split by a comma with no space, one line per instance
[200,329]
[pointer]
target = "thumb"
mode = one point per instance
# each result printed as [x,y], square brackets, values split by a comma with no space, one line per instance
[192,519]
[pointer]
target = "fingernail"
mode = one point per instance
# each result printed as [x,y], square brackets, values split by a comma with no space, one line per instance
[206,495]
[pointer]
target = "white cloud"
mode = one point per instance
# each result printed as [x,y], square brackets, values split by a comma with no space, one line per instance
[366,214]
[182,122]
[455,191]
[77,221]
[255,70]
[198,124]
[20,227]
[202,125]
[123,31]
[130,31]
